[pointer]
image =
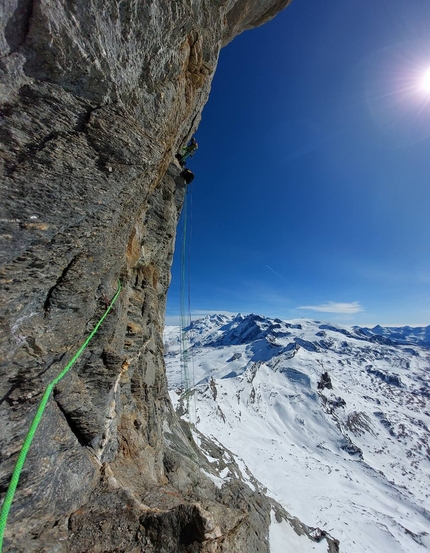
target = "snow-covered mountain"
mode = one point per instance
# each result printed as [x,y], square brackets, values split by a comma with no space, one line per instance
[419,336]
[333,421]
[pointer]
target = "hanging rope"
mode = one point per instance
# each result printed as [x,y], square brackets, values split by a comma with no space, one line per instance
[35,423]
[185,302]
[191,331]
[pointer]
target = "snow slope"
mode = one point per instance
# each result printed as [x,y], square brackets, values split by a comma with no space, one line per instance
[350,452]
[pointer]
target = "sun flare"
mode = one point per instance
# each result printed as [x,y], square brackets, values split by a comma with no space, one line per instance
[426,81]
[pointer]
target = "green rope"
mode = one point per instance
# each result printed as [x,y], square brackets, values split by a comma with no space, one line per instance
[35,423]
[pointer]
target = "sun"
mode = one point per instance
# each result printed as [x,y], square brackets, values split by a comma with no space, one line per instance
[426,81]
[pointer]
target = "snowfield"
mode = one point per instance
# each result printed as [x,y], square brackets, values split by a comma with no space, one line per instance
[333,421]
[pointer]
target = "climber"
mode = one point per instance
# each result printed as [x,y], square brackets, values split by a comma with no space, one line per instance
[188,151]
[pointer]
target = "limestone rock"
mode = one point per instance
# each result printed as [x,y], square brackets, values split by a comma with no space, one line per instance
[96,99]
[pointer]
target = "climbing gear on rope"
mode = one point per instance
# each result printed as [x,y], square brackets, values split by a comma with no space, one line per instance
[35,423]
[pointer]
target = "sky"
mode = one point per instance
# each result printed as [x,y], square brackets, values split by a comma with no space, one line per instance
[312,179]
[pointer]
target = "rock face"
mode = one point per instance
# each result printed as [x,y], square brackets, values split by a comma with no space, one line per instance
[97,97]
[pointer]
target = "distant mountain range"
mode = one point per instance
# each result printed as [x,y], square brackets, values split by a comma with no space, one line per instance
[334,421]
[419,336]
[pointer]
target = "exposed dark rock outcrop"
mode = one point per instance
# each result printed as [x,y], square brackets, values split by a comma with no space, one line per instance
[352,449]
[331,404]
[325,382]
[97,98]
[392,379]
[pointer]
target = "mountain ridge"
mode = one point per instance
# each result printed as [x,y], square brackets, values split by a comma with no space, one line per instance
[419,335]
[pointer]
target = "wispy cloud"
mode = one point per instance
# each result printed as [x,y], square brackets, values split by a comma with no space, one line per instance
[335,307]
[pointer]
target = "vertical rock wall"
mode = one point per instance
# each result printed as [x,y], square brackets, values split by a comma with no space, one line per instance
[96,98]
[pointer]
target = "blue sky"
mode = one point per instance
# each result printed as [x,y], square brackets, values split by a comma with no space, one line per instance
[312,189]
